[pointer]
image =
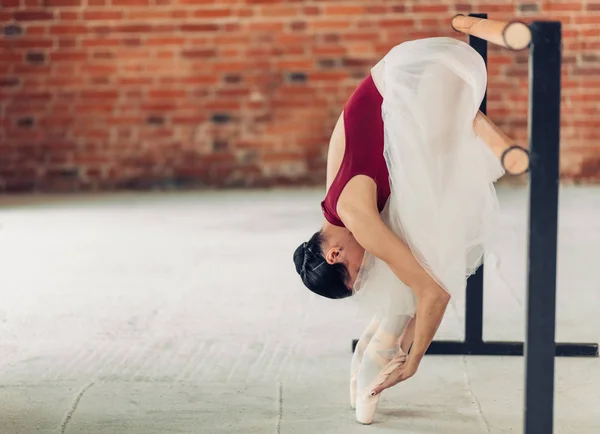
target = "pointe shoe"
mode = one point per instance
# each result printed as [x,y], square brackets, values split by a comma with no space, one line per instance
[366,405]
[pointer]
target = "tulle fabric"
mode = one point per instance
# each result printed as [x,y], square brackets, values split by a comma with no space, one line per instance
[443,202]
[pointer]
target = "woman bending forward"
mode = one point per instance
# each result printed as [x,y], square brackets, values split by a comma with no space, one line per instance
[410,200]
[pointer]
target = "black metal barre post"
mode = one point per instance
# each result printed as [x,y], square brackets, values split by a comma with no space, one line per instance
[544,134]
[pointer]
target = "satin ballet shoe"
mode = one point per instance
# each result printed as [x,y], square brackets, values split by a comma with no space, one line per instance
[366,405]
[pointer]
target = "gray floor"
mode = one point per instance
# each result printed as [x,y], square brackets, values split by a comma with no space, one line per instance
[181,313]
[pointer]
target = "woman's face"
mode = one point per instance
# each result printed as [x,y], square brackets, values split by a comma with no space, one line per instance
[349,253]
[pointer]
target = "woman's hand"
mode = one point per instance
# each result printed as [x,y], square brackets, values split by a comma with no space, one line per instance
[400,374]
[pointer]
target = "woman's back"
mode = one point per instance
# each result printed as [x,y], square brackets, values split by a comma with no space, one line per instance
[356,148]
[337,142]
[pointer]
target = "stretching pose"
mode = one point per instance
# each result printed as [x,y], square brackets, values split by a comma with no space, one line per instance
[410,199]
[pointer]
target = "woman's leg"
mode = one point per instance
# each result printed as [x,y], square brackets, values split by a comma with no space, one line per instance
[407,338]
[382,355]
[357,357]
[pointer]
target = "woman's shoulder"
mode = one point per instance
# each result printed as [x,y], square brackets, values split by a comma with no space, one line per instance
[359,197]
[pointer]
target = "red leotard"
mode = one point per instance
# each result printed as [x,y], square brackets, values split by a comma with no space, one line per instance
[363,155]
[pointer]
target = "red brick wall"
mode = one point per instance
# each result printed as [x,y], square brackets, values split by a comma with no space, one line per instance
[104,94]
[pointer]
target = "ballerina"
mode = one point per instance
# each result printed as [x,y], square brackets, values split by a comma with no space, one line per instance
[410,201]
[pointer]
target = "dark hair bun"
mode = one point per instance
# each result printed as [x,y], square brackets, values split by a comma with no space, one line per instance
[327,280]
[300,258]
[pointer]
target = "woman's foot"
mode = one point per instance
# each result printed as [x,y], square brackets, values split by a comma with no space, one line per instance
[366,404]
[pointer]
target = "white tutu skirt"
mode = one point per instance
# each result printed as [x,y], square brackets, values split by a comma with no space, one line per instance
[443,203]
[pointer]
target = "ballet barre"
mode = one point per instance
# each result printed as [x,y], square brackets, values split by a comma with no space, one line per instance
[540,347]
[514,35]
[514,158]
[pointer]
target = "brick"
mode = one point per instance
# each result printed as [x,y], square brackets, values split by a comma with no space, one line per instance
[195,79]
[329,50]
[589,19]
[199,27]
[58,3]
[298,26]
[102,15]
[376,10]
[288,11]
[212,13]
[266,26]
[561,7]
[590,33]
[99,69]
[362,36]
[195,2]
[295,64]
[162,41]
[244,12]
[167,93]
[312,10]
[36,30]
[328,76]
[103,55]
[34,43]
[328,25]
[68,30]
[35,57]
[399,22]
[10,57]
[12,30]
[590,58]
[68,56]
[68,16]
[528,7]
[134,28]
[9,81]
[431,8]
[199,54]
[100,42]
[33,15]
[130,2]
[507,7]
[345,10]
[136,14]
[586,71]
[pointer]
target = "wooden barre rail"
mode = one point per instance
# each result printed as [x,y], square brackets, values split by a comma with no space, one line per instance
[514,35]
[515,159]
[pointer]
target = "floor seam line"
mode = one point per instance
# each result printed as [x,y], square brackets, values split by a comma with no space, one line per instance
[475,400]
[280,413]
[69,415]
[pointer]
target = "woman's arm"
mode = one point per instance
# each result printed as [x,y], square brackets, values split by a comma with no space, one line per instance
[374,236]
[432,300]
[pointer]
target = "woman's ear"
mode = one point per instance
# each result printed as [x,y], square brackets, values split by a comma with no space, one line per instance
[333,255]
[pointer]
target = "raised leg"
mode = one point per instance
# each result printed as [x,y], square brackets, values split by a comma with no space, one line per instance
[382,355]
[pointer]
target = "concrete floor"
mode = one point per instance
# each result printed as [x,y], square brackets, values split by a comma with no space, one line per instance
[182,313]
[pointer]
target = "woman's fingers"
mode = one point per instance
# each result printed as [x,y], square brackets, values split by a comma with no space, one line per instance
[394,378]
[398,375]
